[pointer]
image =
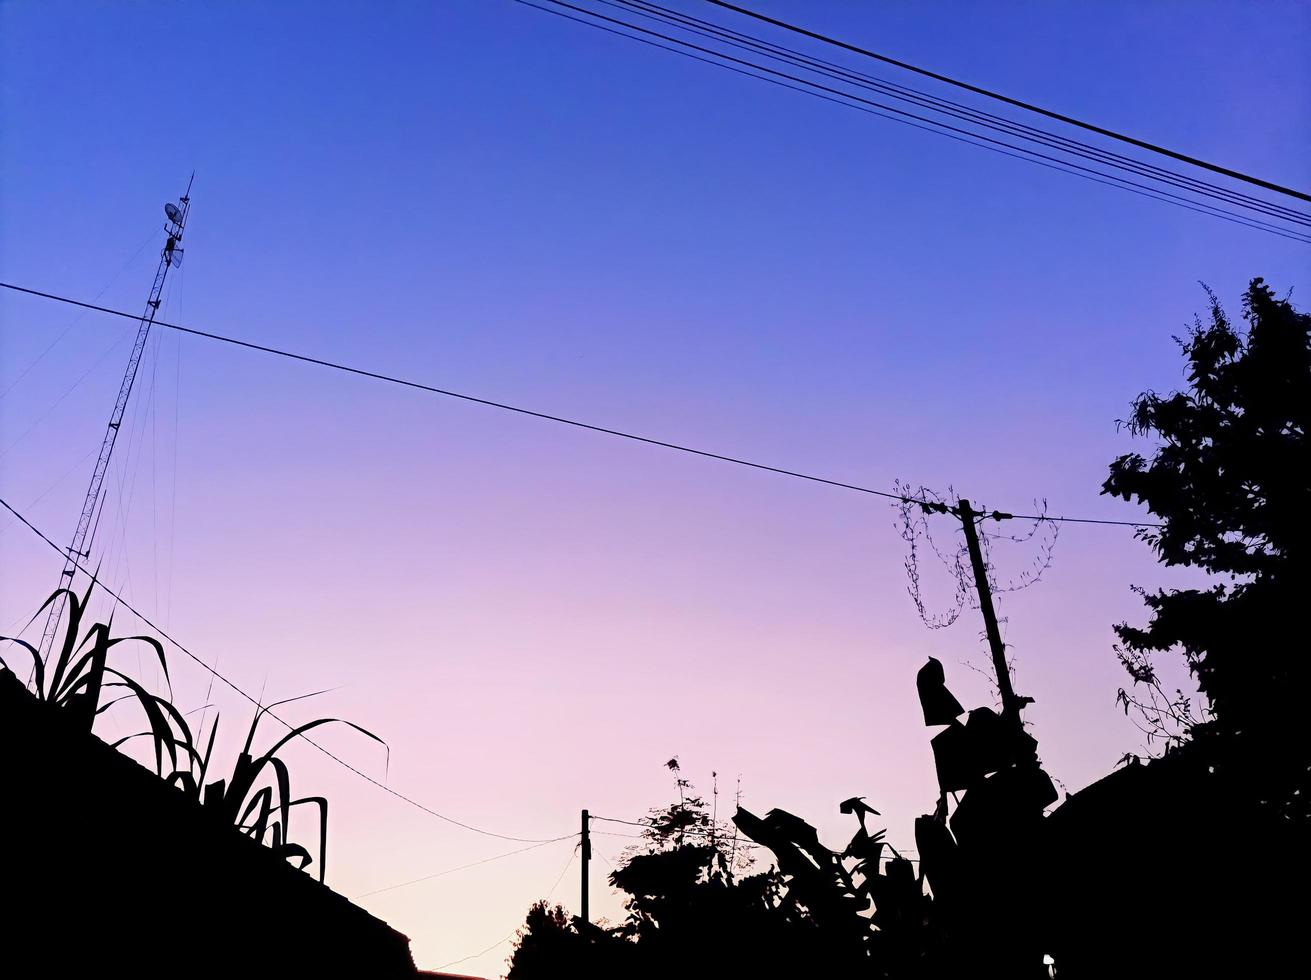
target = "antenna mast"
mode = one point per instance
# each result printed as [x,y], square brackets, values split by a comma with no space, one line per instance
[89,520]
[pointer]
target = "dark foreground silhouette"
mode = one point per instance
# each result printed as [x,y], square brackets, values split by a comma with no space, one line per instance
[1190,864]
[177,871]
[110,870]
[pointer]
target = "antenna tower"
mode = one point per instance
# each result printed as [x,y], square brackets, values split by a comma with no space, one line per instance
[93,505]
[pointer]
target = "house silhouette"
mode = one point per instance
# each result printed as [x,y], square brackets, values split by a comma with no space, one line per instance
[110,868]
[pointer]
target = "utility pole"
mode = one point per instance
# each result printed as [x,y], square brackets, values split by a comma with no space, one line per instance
[93,504]
[1010,702]
[586,850]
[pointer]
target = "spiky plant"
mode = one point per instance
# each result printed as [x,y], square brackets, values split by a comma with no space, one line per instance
[260,811]
[76,678]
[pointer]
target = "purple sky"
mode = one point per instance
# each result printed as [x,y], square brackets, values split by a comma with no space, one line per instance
[479,196]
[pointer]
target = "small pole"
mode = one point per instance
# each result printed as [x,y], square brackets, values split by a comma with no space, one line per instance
[1010,703]
[586,848]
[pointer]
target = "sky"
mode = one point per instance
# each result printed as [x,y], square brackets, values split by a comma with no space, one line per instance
[479,196]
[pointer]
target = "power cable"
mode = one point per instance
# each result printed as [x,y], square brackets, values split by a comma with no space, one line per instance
[900,852]
[73,322]
[463,867]
[747,42]
[1060,117]
[932,125]
[562,420]
[255,701]
[673,832]
[501,942]
[68,391]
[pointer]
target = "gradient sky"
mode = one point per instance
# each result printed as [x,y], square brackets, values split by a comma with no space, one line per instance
[480,196]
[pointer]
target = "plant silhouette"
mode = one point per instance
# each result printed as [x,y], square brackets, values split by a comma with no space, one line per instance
[1137,882]
[871,903]
[1230,482]
[692,908]
[864,910]
[77,676]
[260,811]
[255,797]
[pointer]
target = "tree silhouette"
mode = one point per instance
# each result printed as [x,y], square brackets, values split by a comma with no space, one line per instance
[1000,888]
[692,910]
[1230,483]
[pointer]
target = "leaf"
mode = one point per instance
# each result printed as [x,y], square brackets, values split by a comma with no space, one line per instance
[857,804]
[80,693]
[215,794]
[109,704]
[164,740]
[287,851]
[240,785]
[38,667]
[76,609]
[186,782]
[155,645]
[180,721]
[322,804]
[859,807]
[262,804]
[66,647]
[209,749]
[127,738]
[284,789]
[865,847]
[301,729]
[797,831]
[265,709]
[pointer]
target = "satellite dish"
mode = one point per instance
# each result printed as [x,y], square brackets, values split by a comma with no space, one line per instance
[173,256]
[174,213]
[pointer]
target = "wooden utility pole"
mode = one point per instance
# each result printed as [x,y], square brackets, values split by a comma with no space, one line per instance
[1010,704]
[586,850]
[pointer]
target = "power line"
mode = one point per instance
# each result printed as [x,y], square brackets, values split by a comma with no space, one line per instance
[1083,173]
[463,867]
[68,391]
[73,322]
[704,833]
[1060,117]
[852,101]
[777,52]
[47,491]
[500,942]
[562,420]
[255,701]
[672,832]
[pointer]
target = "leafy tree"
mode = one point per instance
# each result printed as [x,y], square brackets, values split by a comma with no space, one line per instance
[692,820]
[551,943]
[693,909]
[1230,484]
